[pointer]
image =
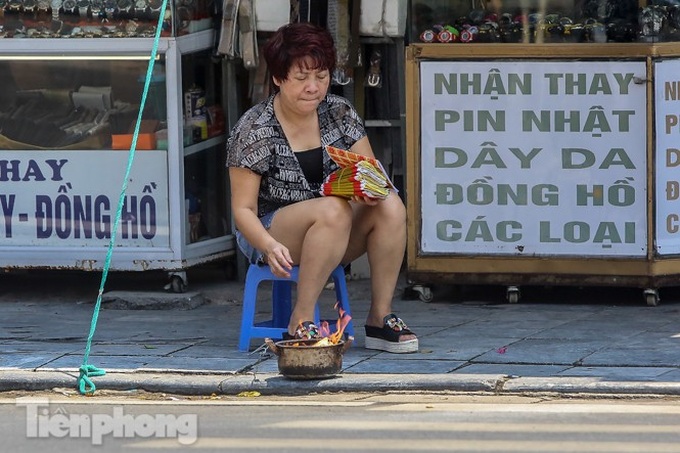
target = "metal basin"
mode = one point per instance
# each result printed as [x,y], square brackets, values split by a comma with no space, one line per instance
[298,359]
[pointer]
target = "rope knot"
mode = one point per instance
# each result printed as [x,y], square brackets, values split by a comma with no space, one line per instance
[85,384]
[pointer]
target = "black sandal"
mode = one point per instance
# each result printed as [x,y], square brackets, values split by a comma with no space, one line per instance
[386,338]
[306,330]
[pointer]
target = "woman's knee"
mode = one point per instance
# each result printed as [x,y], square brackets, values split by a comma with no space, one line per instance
[394,210]
[335,211]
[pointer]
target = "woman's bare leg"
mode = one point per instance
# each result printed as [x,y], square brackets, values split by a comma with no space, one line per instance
[316,233]
[380,231]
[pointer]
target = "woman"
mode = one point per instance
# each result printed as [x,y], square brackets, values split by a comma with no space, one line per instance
[277,164]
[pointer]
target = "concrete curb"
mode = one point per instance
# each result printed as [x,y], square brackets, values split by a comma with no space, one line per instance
[136,300]
[279,385]
[574,385]
[194,384]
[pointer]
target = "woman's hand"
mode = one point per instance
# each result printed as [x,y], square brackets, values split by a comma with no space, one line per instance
[279,260]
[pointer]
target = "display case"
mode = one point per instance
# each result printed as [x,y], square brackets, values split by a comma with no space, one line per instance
[103,18]
[545,21]
[68,112]
[545,163]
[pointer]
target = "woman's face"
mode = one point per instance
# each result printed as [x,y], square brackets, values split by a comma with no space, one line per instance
[305,88]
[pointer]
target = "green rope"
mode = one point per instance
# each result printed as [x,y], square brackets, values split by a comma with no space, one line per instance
[85,384]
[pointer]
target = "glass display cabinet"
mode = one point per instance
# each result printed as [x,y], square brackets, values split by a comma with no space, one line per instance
[545,21]
[69,105]
[103,18]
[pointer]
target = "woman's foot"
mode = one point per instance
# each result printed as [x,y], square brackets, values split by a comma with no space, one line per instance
[306,330]
[394,336]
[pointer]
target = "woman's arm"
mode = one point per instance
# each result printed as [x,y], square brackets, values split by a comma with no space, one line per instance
[363,147]
[245,186]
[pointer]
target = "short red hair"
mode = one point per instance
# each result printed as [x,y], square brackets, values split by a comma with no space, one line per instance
[293,42]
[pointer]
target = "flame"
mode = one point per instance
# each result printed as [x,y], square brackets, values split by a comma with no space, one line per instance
[329,337]
[323,342]
[340,325]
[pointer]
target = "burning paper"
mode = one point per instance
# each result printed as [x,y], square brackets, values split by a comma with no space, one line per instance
[329,337]
[341,323]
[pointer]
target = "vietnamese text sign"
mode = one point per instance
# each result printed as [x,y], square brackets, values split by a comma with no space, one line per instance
[667,162]
[70,198]
[533,158]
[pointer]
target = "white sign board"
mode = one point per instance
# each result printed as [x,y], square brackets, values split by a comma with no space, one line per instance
[667,162]
[533,158]
[70,198]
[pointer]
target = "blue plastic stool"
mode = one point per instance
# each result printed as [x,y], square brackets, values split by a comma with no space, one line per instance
[281,304]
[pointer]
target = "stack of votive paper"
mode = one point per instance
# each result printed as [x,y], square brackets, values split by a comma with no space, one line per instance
[358,176]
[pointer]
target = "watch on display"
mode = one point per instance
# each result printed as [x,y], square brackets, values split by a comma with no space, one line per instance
[155,5]
[674,16]
[445,35]
[140,8]
[110,7]
[621,30]
[183,16]
[97,8]
[469,34]
[124,6]
[651,19]
[55,5]
[83,6]
[14,5]
[30,5]
[69,6]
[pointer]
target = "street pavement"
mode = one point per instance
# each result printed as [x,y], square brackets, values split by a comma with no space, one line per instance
[563,340]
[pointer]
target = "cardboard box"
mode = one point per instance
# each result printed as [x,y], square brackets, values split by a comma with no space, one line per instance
[271,14]
[124,141]
[377,20]
[146,139]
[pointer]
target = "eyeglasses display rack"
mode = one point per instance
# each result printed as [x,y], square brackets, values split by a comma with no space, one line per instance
[72,75]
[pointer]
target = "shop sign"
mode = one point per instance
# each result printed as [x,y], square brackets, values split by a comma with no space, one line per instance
[667,162]
[533,158]
[70,198]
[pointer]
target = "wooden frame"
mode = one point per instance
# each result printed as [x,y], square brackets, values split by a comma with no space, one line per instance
[649,272]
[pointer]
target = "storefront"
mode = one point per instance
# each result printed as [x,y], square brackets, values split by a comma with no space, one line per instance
[542,144]
[72,74]
[71,83]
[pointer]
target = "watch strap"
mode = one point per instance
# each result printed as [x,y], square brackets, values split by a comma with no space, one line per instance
[247,35]
[227,43]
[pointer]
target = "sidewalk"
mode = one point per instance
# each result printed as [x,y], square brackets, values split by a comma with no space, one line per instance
[564,340]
